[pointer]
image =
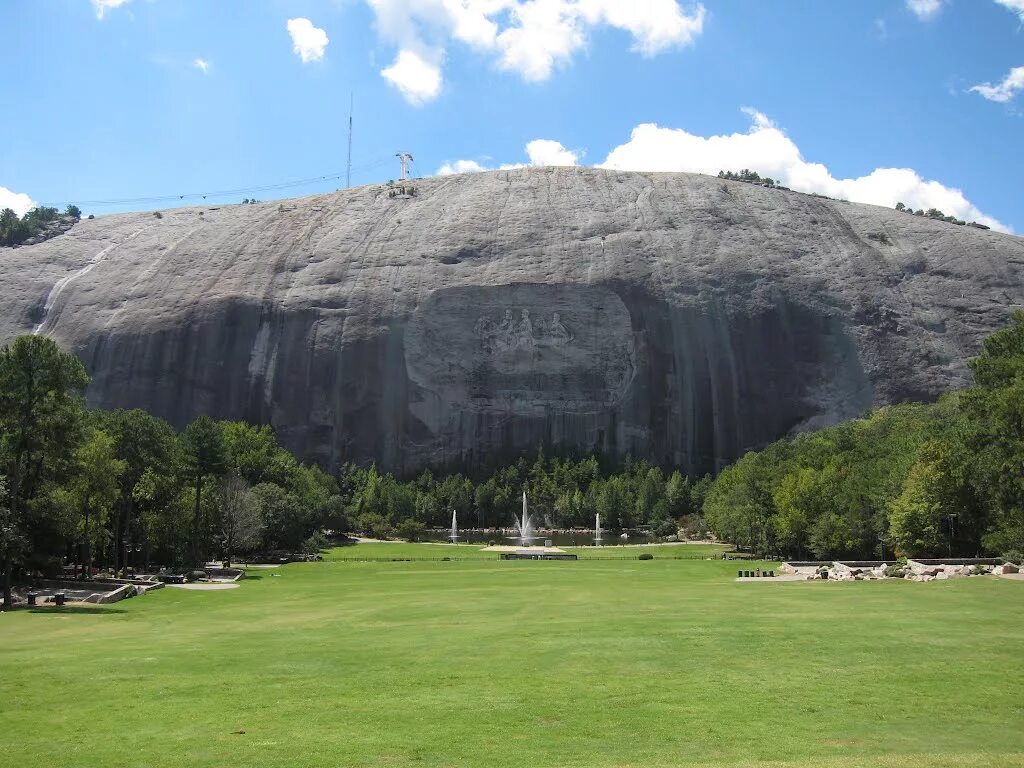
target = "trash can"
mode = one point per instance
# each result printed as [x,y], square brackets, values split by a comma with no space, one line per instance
[32,598]
[58,598]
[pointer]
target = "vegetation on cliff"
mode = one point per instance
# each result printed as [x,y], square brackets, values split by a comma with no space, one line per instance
[36,225]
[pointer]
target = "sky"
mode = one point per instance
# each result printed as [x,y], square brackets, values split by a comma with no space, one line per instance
[141,104]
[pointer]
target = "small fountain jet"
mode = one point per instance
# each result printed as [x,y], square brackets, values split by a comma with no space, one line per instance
[597,530]
[453,537]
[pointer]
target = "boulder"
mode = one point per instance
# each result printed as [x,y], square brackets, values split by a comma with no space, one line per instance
[676,317]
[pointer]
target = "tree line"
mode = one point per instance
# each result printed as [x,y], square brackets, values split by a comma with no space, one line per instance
[15,230]
[563,493]
[108,488]
[907,480]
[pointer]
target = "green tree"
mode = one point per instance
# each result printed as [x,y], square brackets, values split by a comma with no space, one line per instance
[146,444]
[73,210]
[203,453]
[95,489]
[411,530]
[994,434]
[677,495]
[798,502]
[40,428]
[829,536]
[240,520]
[921,516]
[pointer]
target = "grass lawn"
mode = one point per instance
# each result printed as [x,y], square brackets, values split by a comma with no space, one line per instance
[395,550]
[487,663]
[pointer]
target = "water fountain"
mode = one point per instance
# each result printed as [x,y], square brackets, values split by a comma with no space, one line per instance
[525,527]
[597,530]
[453,537]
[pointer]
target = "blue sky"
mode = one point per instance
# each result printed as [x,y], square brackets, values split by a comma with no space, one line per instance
[870,100]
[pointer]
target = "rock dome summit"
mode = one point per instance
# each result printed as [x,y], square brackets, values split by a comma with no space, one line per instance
[678,317]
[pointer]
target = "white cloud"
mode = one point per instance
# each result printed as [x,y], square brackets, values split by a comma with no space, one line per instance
[308,42]
[1017,6]
[19,202]
[545,34]
[539,151]
[202,65]
[532,37]
[418,80]
[925,9]
[548,152]
[770,152]
[460,166]
[1004,91]
[655,25]
[102,6]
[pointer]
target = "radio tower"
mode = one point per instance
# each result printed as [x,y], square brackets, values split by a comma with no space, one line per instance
[404,158]
[348,168]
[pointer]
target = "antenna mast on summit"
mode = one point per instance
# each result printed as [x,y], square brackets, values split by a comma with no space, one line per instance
[348,168]
[404,158]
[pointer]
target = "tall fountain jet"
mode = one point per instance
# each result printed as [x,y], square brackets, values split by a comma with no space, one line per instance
[525,529]
[454,535]
[597,530]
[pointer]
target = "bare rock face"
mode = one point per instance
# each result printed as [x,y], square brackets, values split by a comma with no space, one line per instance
[677,317]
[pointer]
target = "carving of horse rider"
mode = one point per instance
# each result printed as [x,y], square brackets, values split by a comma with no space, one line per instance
[525,338]
[559,333]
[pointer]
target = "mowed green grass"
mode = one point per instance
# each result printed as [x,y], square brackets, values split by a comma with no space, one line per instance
[397,550]
[487,663]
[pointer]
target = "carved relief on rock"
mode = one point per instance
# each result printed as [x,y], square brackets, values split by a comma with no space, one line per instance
[520,349]
[509,334]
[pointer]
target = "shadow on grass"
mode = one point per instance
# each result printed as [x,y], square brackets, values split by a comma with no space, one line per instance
[70,610]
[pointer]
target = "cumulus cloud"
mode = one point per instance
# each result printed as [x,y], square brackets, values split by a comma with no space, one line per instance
[102,6]
[1017,6]
[19,202]
[416,78]
[460,166]
[769,151]
[1005,90]
[308,42]
[925,9]
[531,37]
[201,64]
[548,152]
[539,151]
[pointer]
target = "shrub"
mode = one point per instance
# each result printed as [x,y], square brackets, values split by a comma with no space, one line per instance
[666,528]
[314,544]
[158,215]
[646,556]
[1014,556]
[73,211]
[411,530]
